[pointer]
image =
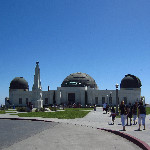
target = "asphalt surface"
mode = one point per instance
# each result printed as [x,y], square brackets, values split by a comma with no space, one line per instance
[27,135]
[13,131]
[67,131]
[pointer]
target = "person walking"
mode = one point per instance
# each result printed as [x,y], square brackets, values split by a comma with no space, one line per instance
[94,107]
[129,113]
[104,106]
[123,113]
[113,114]
[107,108]
[141,115]
[134,111]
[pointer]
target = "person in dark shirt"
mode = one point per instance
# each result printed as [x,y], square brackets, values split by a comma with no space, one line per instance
[129,113]
[141,114]
[113,114]
[123,113]
[107,108]
[134,111]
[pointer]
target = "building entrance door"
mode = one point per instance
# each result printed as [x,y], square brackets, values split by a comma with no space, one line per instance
[71,98]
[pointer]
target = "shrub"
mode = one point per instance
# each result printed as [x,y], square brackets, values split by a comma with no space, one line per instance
[21,109]
[40,110]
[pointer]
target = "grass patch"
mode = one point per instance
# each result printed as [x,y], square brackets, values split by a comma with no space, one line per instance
[118,116]
[2,111]
[57,114]
[147,110]
[77,109]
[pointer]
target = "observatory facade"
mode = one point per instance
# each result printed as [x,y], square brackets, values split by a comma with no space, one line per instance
[76,88]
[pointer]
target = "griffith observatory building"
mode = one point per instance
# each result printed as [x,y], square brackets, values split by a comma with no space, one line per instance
[78,88]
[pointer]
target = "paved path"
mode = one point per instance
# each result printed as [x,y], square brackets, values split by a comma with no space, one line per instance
[14,131]
[99,120]
[96,119]
[61,136]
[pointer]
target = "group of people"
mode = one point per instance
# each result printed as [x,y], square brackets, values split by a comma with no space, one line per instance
[107,109]
[127,112]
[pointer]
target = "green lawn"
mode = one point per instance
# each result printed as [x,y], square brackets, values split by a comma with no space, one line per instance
[147,110]
[2,111]
[78,109]
[70,109]
[57,114]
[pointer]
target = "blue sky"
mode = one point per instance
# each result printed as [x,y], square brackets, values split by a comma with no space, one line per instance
[103,38]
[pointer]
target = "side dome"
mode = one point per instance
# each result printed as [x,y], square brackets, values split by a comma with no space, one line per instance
[19,83]
[130,81]
[79,80]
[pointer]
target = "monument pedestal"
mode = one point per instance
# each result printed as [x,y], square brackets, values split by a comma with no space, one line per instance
[38,104]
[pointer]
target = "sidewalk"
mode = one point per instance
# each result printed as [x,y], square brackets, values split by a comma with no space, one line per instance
[96,119]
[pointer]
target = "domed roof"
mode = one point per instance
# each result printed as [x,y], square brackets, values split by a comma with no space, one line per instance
[130,81]
[79,80]
[19,83]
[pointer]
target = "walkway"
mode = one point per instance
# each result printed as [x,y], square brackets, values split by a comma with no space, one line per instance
[96,119]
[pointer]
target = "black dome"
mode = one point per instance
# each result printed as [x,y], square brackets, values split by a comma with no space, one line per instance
[79,80]
[130,81]
[19,83]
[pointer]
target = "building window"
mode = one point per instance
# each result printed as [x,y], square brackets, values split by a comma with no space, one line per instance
[46,101]
[26,100]
[20,100]
[103,100]
[96,100]
[125,100]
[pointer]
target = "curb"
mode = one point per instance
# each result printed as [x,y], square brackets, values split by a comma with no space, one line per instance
[130,138]
[26,119]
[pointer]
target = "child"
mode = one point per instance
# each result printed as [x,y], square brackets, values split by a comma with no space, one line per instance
[113,114]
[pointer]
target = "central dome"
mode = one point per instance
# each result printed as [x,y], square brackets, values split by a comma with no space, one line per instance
[79,79]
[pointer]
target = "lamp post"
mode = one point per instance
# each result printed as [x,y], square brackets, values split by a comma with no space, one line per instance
[143,100]
[110,98]
[107,99]
[117,85]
